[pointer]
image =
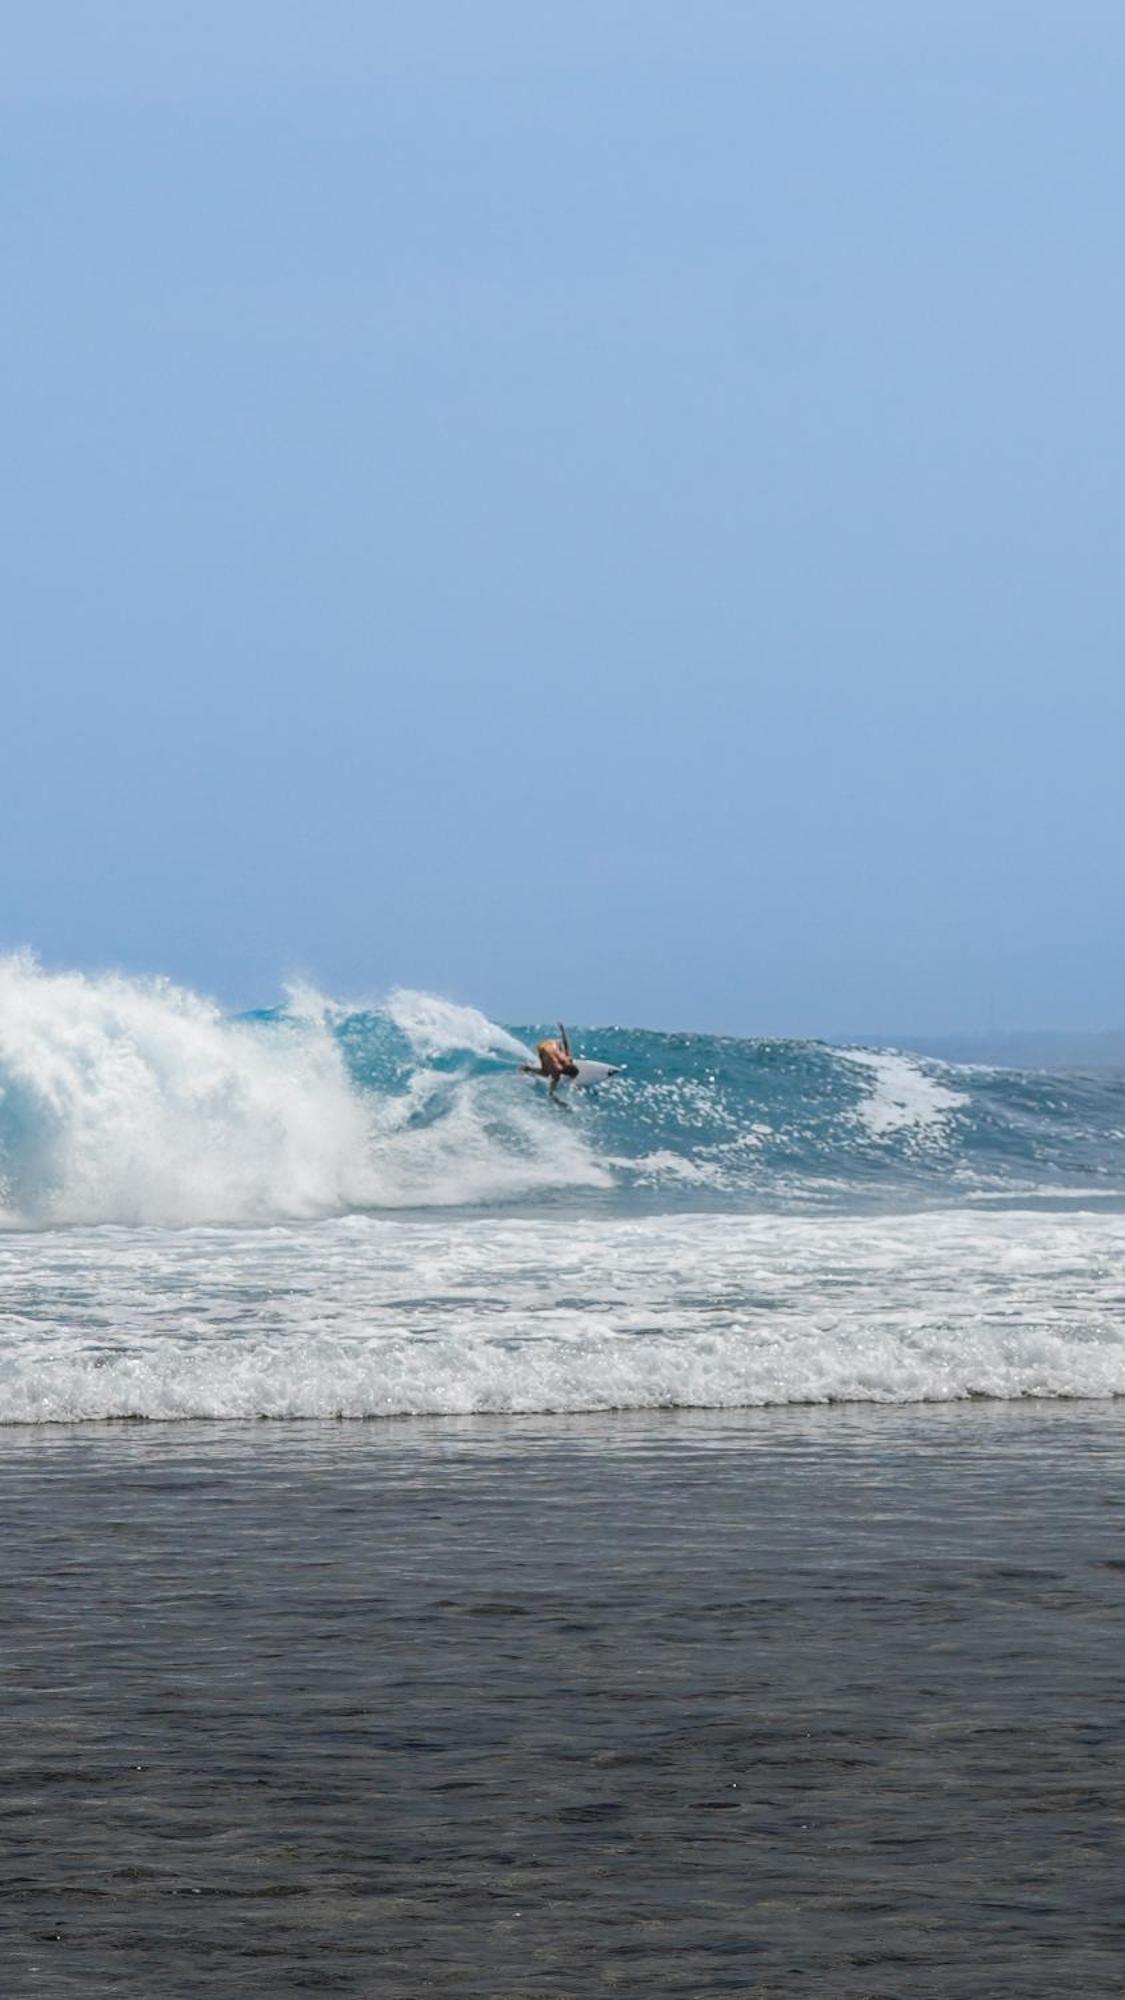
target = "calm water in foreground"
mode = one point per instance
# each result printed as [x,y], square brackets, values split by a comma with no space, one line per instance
[780,1702]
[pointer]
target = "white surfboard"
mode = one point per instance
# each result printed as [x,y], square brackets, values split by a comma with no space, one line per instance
[593,1072]
[588,1072]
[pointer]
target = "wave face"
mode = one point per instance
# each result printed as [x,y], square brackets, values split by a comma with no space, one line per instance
[138,1102]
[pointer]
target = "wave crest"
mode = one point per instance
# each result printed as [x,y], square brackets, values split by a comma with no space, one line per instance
[136,1101]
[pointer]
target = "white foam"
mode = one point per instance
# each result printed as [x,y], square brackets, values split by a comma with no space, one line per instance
[436,1027]
[655,1168]
[133,1101]
[904,1097]
[362,1316]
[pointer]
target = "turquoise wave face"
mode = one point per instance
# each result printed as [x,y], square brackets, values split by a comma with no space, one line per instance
[706,1119]
[133,1101]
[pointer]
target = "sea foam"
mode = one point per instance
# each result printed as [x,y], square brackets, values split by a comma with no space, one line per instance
[136,1101]
[377,1317]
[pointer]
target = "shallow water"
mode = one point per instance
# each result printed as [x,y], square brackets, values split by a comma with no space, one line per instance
[775,1702]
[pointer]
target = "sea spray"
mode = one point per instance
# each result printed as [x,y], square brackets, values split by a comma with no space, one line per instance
[135,1101]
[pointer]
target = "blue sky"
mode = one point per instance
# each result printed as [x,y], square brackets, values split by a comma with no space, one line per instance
[611,510]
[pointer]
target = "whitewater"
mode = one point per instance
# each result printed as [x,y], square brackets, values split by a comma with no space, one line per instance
[323,1209]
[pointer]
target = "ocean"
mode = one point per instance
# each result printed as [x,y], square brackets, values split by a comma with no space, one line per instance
[664,1542]
[329,1211]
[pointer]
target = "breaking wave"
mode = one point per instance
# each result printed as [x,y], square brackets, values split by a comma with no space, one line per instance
[134,1101]
[725,1223]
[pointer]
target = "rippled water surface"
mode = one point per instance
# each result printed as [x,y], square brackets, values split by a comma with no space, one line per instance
[767,1703]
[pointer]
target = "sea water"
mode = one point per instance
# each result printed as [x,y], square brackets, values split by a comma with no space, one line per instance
[325,1210]
[723,1595]
[771,1702]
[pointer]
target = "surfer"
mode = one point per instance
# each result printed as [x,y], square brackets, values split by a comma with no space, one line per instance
[555,1060]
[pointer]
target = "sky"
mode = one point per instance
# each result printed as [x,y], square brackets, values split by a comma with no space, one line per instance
[611,510]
